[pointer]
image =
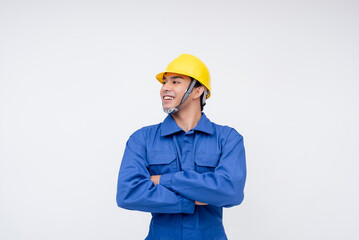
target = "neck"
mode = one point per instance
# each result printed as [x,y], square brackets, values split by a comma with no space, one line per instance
[187,118]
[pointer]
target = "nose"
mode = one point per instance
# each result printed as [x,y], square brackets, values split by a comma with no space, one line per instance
[166,87]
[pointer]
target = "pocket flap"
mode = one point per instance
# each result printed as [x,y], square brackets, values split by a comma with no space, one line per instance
[207,159]
[161,157]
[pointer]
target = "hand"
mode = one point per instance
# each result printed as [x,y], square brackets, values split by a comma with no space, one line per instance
[155,179]
[200,203]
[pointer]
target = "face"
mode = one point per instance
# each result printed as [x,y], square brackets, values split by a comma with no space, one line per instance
[173,88]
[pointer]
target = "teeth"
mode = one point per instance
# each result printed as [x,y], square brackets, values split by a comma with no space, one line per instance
[167,98]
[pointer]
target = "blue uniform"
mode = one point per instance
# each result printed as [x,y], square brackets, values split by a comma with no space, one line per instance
[206,164]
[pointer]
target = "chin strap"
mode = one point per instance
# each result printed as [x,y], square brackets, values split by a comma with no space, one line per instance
[185,96]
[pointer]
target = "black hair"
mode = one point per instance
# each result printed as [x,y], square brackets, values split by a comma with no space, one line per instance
[198,84]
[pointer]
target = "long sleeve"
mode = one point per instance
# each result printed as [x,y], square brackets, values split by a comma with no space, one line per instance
[223,187]
[136,191]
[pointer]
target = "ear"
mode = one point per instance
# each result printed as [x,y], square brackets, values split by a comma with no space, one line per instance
[197,92]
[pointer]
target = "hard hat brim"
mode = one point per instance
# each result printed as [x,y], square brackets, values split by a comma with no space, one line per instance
[159,78]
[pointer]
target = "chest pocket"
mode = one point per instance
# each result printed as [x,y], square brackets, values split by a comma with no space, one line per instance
[206,162]
[162,162]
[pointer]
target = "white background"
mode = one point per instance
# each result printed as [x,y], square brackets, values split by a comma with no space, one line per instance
[77,78]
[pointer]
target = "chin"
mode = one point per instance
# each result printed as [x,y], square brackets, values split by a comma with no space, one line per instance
[169,105]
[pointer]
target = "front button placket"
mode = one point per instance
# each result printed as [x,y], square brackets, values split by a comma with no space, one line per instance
[179,155]
[187,149]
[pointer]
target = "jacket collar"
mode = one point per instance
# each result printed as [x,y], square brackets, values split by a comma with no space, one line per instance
[169,126]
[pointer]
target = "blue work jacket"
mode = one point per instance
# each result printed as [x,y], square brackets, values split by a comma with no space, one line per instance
[206,164]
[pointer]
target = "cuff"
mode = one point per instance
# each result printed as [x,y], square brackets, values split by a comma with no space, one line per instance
[187,205]
[166,180]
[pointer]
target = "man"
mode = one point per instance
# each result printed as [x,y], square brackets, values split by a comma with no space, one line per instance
[187,168]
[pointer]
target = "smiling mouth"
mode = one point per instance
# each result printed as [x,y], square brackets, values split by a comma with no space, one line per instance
[168,98]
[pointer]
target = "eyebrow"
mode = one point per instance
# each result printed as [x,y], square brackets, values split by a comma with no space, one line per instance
[173,77]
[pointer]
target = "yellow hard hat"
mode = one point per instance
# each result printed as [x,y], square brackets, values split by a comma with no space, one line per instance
[191,66]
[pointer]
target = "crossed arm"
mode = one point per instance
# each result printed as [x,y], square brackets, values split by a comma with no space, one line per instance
[156,180]
[179,192]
